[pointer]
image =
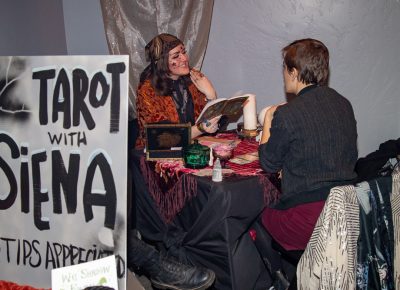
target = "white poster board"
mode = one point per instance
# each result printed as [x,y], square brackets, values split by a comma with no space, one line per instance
[100,272]
[63,163]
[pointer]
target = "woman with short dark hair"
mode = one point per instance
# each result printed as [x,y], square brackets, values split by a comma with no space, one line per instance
[310,57]
[311,140]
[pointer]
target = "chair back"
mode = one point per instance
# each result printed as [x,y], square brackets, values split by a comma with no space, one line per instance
[330,260]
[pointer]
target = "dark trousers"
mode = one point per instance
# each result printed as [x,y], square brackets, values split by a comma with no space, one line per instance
[275,257]
[140,254]
[264,243]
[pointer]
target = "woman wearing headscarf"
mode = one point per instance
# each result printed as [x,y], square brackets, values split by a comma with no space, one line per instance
[170,91]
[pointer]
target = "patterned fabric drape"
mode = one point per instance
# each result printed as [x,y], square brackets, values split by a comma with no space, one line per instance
[330,259]
[131,24]
[375,246]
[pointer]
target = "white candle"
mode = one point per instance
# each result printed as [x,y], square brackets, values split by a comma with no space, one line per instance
[250,113]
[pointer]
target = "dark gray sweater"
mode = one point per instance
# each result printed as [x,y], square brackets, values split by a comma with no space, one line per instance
[314,141]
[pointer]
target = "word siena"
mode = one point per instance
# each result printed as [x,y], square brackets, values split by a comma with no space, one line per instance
[82,87]
[64,178]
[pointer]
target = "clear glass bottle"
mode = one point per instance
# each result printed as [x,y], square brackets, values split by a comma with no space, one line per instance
[217,171]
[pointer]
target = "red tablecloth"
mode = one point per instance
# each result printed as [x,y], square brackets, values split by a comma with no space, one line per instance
[7,285]
[171,184]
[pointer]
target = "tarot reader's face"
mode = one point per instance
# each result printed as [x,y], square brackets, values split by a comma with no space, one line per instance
[178,62]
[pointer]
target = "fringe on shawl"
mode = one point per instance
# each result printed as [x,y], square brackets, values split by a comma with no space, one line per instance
[271,193]
[170,202]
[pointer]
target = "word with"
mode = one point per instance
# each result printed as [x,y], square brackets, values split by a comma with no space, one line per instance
[68,138]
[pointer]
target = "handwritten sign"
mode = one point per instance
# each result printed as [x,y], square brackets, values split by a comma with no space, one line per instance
[100,272]
[63,163]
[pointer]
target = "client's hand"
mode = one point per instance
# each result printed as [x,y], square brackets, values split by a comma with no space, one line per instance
[211,126]
[203,84]
[269,115]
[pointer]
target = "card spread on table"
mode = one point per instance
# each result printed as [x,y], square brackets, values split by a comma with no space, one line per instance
[213,141]
[208,171]
[245,158]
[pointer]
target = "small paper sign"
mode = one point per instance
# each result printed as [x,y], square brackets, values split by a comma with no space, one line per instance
[101,272]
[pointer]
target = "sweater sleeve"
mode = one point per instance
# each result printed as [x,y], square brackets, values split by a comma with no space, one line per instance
[272,153]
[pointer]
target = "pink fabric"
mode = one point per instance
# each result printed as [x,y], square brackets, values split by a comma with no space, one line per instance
[7,285]
[292,228]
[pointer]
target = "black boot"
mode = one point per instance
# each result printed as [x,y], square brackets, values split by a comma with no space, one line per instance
[174,275]
[166,273]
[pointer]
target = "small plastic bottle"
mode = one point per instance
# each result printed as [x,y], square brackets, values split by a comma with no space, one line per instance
[217,171]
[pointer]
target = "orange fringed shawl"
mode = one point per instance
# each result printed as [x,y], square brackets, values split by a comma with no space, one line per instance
[152,108]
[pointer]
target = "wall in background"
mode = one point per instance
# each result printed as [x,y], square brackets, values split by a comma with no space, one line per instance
[32,28]
[246,38]
[244,48]
[84,27]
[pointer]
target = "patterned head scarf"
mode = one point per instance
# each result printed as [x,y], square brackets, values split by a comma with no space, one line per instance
[160,46]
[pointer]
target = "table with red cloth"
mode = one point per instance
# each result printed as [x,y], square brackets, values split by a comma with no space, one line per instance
[8,285]
[204,222]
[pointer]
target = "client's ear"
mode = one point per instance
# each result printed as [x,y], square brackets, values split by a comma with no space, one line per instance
[294,74]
